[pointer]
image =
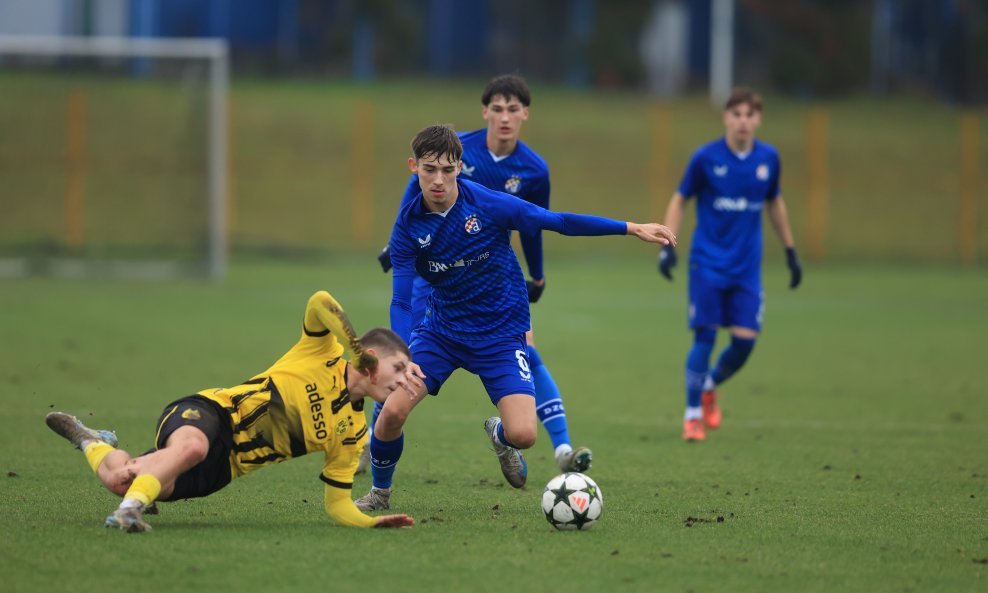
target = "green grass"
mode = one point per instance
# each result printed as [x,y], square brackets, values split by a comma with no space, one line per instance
[893,176]
[852,455]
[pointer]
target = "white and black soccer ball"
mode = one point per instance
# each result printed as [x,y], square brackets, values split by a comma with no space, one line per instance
[572,501]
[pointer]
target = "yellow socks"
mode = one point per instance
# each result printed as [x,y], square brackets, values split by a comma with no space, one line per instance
[145,488]
[96,452]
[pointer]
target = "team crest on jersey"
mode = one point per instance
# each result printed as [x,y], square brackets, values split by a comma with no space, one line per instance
[762,172]
[513,184]
[341,426]
[472,225]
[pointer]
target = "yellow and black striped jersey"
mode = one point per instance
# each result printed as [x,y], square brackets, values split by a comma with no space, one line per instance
[299,405]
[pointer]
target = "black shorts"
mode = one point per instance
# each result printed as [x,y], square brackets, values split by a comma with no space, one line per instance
[209,417]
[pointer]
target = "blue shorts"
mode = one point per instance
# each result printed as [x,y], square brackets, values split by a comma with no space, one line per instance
[724,304]
[501,363]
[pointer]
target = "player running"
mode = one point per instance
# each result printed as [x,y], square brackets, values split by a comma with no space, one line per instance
[734,179]
[456,235]
[496,158]
[311,400]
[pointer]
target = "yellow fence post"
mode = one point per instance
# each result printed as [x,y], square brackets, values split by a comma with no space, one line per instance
[75,170]
[362,197]
[817,206]
[660,160]
[967,224]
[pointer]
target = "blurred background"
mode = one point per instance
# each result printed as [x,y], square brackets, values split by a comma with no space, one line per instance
[154,137]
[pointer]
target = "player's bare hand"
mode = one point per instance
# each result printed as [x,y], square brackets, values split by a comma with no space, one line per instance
[652,232]
[413,383]
[394,521]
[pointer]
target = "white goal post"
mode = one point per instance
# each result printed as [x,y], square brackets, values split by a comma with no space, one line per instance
[214,52]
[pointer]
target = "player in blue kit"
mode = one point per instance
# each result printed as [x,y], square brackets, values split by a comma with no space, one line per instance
[734,179]
[496,158]
[456,235]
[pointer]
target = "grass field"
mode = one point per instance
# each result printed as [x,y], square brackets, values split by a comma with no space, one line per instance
[893,175]
[852,455]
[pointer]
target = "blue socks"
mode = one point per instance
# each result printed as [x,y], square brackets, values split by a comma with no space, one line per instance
[378,406]
[697,364]
[732,358]
[730,361]
[384,458]
[548,401]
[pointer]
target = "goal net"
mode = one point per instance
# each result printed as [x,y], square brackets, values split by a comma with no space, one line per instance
[113,157]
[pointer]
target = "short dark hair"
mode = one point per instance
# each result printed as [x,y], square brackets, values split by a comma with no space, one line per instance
[742,95]
[507,85]
[385,341]
[439,140]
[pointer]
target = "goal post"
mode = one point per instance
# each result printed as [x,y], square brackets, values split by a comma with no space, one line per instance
[212,52]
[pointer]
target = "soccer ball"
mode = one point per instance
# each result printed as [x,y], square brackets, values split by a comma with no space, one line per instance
[572,501]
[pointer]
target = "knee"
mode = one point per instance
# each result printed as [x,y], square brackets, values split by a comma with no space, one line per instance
[521,437]
[192,452]
[389,423]
[705,335]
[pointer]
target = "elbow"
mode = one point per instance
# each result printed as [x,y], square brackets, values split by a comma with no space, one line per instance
[401,304]
[320,297]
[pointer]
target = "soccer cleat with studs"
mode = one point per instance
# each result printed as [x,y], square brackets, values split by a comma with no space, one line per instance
[711,411]
[575,460]
[693,430]
[130,520]
[378,499]
[512,462]
[72,429]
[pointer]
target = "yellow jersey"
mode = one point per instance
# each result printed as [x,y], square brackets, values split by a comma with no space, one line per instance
[301,405]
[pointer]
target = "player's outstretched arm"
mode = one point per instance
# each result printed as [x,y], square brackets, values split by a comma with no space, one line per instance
[340,508]
[525,217]
[324,312]
[652,232]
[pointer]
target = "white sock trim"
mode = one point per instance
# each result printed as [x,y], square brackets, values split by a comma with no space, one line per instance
[131,503]
[563,450]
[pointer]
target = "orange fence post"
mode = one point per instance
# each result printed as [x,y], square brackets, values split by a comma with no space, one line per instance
[817,201]
[362,197]
[967,224]
[75,170]
[660,160]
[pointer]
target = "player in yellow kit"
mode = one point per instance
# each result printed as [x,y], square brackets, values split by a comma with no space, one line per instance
[310,400]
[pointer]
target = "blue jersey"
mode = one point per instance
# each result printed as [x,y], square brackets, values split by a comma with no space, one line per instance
[523,173]
[731,193]
[465,254]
